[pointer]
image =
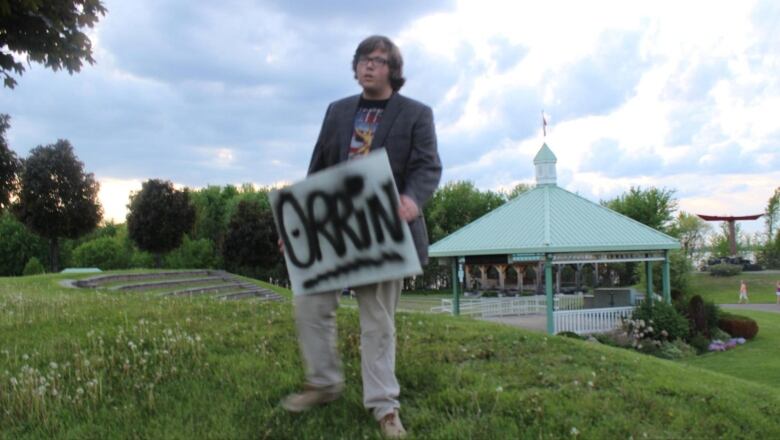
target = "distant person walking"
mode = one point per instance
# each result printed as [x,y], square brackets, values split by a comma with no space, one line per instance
[743,292]
[777,292]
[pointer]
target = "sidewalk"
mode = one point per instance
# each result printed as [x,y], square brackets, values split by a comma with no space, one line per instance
[760,307]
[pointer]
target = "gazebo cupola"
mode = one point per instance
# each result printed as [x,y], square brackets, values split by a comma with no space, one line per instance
[545,166]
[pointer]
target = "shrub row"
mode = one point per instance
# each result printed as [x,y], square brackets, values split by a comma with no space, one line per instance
[725,270]
[738,326]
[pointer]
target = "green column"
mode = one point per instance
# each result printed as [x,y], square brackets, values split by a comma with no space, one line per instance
[666,279]
[649,278]
[548,287]
[455,288]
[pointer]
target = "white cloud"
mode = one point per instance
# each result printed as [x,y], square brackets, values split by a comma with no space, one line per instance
[683,95]
[114,196]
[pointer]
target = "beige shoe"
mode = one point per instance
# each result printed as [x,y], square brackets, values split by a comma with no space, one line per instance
[310,397]
[391,426]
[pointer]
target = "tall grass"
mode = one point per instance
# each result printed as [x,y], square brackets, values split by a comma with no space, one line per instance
[87,364]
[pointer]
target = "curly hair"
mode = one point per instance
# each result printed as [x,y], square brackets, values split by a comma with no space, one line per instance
[394,58]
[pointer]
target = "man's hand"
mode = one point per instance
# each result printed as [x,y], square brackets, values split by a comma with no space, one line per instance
[281,246]
[407,208]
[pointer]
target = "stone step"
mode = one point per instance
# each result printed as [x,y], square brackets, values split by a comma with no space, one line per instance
[102,279]
[158,284]
[219,288]
[259,293]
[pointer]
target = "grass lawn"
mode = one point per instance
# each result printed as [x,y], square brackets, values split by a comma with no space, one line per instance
[725,290]
[409,302]
[92,364]
[757,361]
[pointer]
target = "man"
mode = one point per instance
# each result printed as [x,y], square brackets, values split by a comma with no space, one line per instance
[377,118]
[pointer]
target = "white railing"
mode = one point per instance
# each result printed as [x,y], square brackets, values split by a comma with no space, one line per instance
[590,320]
[525,305]
[569,302]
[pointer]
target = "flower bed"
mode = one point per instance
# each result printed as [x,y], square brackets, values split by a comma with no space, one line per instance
[718,345]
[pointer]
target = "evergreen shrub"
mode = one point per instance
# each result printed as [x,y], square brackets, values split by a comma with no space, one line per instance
[105,253]
[33,267]
[725,270]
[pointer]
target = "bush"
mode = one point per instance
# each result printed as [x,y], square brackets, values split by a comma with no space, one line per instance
[193,254]
[33,267]
[718,334]
[700,342]
[616,338]
[696,316]
[105,253]
[738,326]
[140,259]
[17,246]
[676,349]
[725,270]
[665,321]
[712,316]
[569,335]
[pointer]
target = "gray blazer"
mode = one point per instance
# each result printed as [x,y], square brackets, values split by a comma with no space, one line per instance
[406,131]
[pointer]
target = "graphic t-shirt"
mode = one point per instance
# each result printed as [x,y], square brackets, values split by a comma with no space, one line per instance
[367,119]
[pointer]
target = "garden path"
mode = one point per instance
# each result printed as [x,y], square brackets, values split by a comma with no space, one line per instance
[760,307]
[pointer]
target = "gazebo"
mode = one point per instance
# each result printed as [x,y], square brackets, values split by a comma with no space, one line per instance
[549,226]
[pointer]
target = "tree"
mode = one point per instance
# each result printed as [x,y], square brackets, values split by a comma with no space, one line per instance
[159,217]
[652,207]
[719,242]
[769,254]
[57,199]
[47,32]
[17,246]
[772,213]
[210,213]
[250,245]
[9,165]
[457,204]
[518,189]
[690,230]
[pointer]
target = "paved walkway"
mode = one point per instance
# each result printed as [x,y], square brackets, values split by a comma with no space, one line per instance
[760,307]
[528,322]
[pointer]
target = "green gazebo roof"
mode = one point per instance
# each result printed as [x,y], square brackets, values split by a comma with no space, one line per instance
[549,219]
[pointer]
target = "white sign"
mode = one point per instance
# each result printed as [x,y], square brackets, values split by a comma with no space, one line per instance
[340,227]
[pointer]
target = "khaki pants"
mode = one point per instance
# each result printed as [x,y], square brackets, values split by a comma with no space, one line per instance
[315,318]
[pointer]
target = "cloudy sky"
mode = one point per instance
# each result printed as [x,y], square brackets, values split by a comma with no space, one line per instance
[682,95]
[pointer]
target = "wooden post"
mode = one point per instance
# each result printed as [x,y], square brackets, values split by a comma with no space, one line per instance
[520,275]
[501,269]
[483,276]
[538,280]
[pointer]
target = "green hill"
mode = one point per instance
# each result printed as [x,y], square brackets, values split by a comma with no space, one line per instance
[79,363]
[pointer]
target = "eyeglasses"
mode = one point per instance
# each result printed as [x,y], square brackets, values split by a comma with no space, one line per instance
[377,61]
